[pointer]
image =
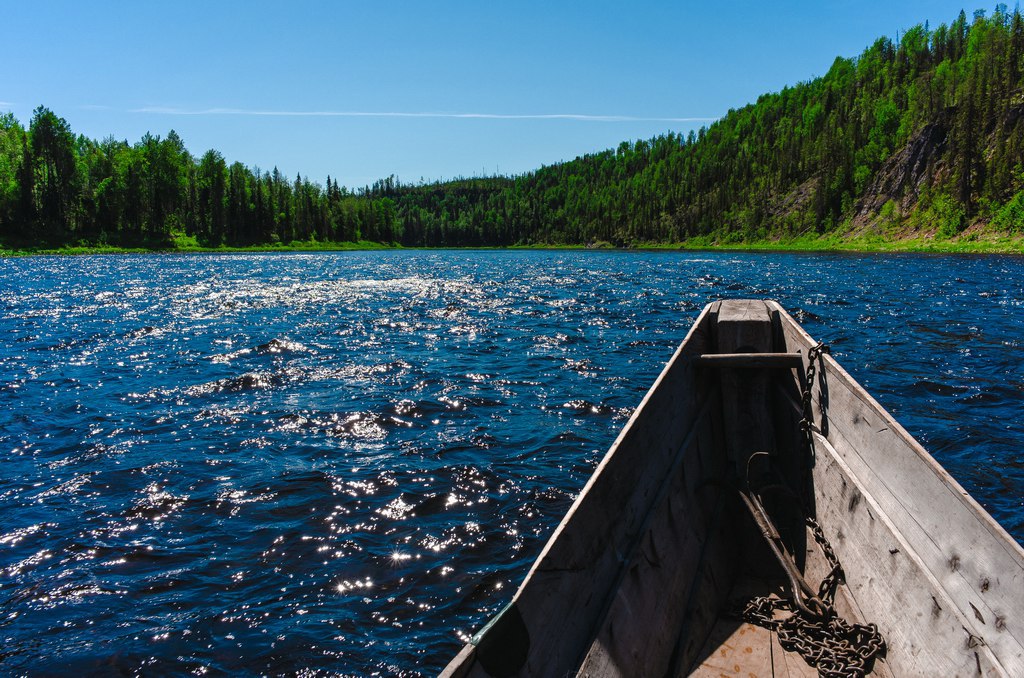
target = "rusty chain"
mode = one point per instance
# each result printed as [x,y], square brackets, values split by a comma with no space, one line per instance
[807,422]
[827,642]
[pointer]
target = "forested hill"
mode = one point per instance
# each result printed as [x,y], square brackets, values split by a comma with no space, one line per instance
[924,134]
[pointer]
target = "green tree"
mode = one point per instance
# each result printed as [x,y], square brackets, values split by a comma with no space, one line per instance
[12,142]
[53,156]
[211,185]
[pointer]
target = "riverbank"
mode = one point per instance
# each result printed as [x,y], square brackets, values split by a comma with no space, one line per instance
[971,242]
[968,243]
[308,246]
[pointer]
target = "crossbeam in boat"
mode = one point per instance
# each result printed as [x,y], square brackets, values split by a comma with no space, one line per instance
[748,360]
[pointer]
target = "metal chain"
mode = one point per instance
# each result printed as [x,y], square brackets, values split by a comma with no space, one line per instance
[827,642]
[807,421]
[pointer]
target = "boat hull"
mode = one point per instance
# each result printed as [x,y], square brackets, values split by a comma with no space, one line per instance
[638,577]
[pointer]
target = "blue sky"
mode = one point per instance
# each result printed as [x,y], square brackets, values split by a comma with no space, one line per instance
[431,90]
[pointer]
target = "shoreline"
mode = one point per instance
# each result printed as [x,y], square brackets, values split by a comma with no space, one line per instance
[995,244]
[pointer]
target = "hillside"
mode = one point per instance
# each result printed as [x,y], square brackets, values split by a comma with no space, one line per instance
[920,136]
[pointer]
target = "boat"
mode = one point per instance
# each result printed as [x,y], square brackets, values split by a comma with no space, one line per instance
[761,514]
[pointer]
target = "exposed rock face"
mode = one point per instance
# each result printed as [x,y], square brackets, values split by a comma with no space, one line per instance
[904,174]
[796,200]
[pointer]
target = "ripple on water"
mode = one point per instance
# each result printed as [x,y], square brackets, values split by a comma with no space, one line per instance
[347,462]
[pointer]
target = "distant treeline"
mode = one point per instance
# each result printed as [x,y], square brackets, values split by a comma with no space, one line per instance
[57,188]
[928,129]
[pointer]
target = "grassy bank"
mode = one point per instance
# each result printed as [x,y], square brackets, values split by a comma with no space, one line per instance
[978,241]
[297,246]
[973,243]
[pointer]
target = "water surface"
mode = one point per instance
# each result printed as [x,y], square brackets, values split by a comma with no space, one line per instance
[344,462]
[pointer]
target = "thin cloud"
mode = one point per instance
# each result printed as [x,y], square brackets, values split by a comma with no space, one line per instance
[6,104]
[163,110]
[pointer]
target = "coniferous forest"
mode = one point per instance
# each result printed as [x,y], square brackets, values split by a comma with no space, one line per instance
[922,134]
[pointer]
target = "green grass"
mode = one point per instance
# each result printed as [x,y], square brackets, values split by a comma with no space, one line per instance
[189,245]
[983,242]
[986,243]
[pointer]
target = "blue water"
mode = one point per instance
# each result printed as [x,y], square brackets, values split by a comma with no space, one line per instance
[343,463]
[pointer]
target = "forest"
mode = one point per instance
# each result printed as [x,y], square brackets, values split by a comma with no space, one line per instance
[922,133]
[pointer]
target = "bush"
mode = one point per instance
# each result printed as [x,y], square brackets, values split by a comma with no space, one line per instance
[1010,217]
[181,241]
[947,214]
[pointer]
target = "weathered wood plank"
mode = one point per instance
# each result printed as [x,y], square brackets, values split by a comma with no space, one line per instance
[647,616]
[984,580]
[845,604]
[749,651]
[717,574]
[965,554]
[925,633]
[640,629]
[748,360]
[744,326]
[460,666]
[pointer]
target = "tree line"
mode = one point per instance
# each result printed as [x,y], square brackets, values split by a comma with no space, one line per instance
[943,107]
[57,188]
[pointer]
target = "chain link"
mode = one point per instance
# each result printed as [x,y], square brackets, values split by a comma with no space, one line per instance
[827,642]
[807,422]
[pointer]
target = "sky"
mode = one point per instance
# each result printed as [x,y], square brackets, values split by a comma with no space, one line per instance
[420,90]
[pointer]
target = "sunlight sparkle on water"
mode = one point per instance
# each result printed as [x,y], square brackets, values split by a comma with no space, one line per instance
[340,434]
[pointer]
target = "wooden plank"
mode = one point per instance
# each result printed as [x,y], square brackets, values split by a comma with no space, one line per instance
[639,634]
[748,360]
[717,576]
[924,631]
[845,604]
[742,649]
[708,593]
[962,550]
[983,578]
[736,649]
[461,665]
[744,326]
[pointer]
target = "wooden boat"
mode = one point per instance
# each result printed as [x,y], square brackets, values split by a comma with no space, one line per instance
[705,494]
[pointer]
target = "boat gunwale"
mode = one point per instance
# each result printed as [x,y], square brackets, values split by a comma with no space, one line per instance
[890,421]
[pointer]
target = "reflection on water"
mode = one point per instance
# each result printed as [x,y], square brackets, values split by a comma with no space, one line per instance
[345,462]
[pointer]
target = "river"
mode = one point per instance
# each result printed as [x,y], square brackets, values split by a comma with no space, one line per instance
[343,463]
